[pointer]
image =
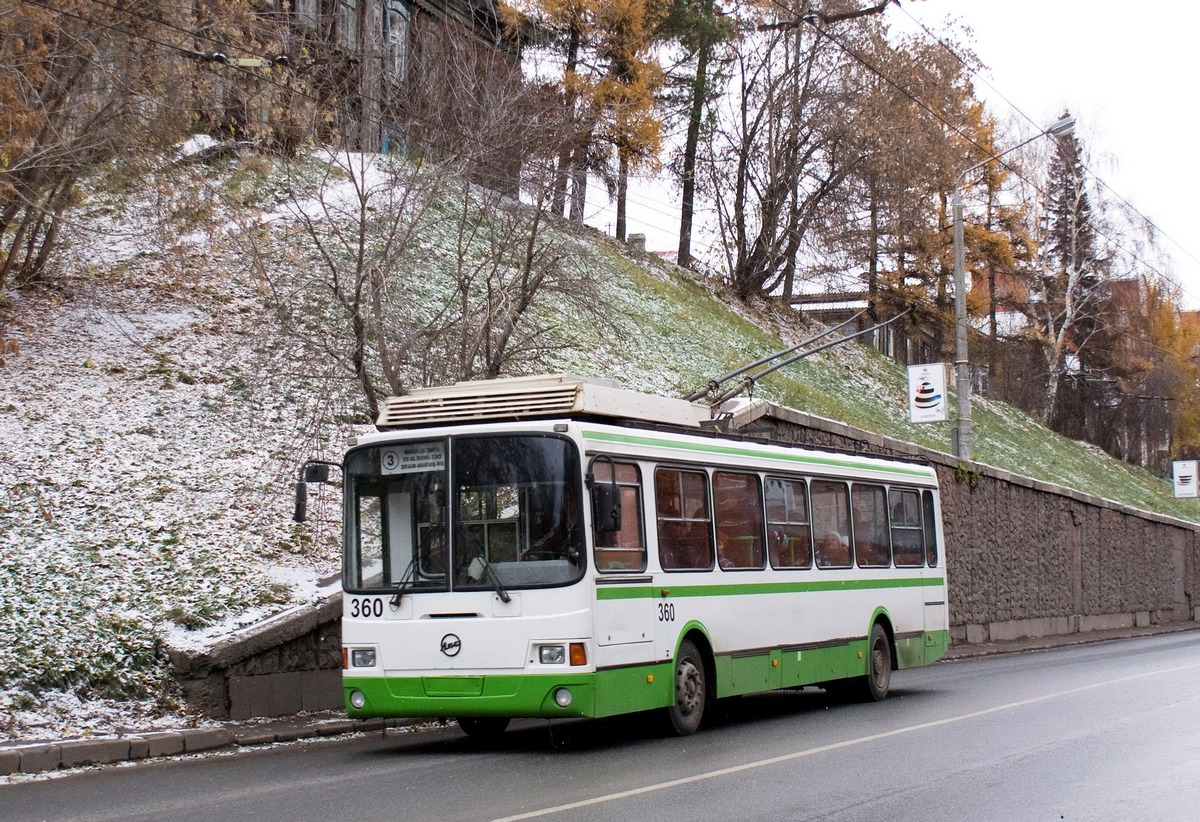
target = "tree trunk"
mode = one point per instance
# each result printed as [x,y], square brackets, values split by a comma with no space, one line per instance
[691,146]
[622,193]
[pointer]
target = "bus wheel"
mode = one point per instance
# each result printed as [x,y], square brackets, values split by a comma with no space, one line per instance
[483,727]
[691,691]
[879,666]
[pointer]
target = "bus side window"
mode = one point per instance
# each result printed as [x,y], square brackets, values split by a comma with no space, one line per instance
[684,523]
[872,544]
[908,540]
[789,537]
[373,569]
[623,550]
[931,546]
[831,523]
[738,503]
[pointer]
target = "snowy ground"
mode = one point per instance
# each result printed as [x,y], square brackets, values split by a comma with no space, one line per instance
[149,433]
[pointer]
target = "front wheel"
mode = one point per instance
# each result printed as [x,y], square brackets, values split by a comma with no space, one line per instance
[874,686]
[483,727]
[691,691]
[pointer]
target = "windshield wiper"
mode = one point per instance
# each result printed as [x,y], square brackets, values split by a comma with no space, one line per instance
[402,585]
[479,568]
[500,592]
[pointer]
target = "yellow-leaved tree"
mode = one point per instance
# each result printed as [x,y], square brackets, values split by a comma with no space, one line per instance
[600,55]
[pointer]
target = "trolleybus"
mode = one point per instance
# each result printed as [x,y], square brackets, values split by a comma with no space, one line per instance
[560,547]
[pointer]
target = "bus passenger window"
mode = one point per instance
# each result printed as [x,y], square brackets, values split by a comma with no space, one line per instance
[789,537]
[908,540]
[931,546]
[684,523]
[623,550]
[831,523]
[872,544]
[738,504]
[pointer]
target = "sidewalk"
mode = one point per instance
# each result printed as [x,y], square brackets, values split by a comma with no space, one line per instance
[52,755]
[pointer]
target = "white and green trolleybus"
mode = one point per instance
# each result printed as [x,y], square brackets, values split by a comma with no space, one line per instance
[559,547]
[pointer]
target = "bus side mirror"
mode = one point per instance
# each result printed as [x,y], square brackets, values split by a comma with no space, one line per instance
[311,471]
[606,507]
[316,472]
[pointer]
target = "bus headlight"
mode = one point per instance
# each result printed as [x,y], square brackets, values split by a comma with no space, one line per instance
[362,658]
[357,700]
[552,654]
[563,697]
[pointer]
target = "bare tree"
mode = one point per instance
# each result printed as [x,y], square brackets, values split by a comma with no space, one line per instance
[77,90]
[786,140]
[88,88]
[420,273]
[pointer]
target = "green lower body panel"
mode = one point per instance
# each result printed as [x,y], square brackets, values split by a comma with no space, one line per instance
[767,670]
[636,688]
[817,665]
[604,693]
[936,645]
[620,690]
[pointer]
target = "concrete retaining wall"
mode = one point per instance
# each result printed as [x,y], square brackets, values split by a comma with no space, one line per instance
[282,666]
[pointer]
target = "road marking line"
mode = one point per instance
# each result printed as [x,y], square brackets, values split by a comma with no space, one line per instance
[775,760]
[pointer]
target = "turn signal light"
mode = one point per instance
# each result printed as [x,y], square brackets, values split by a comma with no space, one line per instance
[578,653]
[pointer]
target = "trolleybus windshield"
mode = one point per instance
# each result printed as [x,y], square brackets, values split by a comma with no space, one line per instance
[512,518]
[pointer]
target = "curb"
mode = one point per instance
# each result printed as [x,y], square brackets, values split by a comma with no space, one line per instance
[1052,641]
[44,757]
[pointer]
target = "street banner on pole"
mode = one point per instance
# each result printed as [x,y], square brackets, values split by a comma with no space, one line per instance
[1184,472]
[927,393]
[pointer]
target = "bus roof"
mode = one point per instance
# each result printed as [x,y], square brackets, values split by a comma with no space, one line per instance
[520,398]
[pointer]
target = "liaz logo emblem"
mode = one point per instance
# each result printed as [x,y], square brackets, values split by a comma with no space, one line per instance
[451,645]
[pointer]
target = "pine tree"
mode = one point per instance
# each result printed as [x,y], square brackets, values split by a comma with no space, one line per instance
[1071,271]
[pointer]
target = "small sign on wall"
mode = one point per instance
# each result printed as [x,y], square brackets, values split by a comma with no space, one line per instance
[1184,472]
[927,393]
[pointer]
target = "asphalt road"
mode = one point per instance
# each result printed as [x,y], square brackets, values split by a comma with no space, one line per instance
[1098,732]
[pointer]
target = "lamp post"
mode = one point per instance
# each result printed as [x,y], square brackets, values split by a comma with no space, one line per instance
[963,438]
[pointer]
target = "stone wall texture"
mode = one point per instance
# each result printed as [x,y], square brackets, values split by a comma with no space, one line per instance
[286,665]
[1023,559]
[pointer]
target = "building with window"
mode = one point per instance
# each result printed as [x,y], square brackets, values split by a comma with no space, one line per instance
[376,64]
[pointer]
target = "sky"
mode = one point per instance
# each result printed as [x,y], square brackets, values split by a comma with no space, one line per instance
[1124,70]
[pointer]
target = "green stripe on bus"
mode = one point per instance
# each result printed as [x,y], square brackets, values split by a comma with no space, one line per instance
[747,589]
[735,451]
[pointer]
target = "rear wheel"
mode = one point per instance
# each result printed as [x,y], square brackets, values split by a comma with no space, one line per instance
[483,727]
[874,686]
[691,691]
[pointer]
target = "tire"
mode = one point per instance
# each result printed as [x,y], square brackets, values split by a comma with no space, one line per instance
[483,727]
[691,691]
[874,686]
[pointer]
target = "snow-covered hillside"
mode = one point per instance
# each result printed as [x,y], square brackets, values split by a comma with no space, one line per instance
[150,426]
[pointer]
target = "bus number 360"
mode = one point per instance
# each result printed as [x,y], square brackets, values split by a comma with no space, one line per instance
[366,607]
[666,612]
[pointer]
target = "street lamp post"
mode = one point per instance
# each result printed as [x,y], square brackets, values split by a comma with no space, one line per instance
[963,437]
